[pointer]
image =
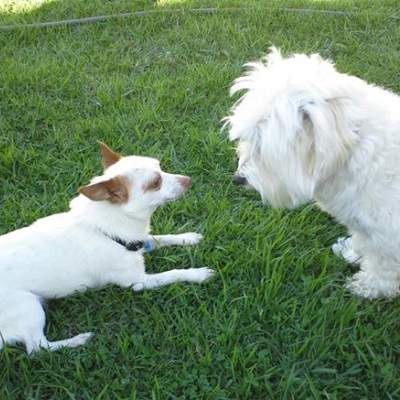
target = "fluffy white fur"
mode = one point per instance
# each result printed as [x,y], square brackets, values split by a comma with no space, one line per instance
[68,252]
[308,132]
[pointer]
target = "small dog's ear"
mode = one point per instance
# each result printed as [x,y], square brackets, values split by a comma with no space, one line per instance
[108,156]
[114,190]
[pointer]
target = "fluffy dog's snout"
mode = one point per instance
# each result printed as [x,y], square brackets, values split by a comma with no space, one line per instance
[239,180]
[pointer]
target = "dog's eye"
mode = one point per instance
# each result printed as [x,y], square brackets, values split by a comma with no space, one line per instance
[155,184]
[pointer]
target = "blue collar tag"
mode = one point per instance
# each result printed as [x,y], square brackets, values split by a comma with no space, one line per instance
[148,246]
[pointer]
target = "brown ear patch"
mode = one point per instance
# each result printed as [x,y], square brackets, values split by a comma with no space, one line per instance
[108,156]
[114,190]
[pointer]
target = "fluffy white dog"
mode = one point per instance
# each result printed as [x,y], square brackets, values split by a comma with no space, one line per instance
[308,132]
[100,241]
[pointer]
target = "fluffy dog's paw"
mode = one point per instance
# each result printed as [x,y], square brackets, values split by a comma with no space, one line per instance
[191,238]
[344,248]
[372,286]
[199,275]
[338,246]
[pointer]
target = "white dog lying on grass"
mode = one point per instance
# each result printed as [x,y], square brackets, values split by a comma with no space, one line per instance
[307,132]
[99,241]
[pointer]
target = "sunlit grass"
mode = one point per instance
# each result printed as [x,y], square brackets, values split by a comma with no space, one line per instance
[17,6]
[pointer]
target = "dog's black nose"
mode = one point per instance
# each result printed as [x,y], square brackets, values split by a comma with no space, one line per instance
[239,180]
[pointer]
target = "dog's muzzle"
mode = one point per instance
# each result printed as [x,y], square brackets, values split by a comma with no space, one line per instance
[239,180]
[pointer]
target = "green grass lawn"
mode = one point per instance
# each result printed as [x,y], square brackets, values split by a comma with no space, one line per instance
[276,322]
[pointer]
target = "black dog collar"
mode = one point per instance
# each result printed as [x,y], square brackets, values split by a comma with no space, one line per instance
[131,246]
[135,245]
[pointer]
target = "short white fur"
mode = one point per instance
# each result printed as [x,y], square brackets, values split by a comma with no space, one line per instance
[68,252]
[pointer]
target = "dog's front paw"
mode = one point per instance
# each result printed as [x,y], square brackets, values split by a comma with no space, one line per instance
[199,275]
[191,238]
[371,286]
[337,247]
[344,248]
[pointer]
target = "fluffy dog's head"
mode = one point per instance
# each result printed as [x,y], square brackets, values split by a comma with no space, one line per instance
[134,184]
[294,126]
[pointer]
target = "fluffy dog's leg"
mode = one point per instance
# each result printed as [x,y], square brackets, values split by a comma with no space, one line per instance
[22,320]
[344,248]
[183,239]
[378,277]
[152,281]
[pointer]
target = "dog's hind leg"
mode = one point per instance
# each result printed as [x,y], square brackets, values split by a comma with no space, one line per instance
[152,281]
[344,248]
[22,320]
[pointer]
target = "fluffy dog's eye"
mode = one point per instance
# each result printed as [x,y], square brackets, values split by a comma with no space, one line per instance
[155,184]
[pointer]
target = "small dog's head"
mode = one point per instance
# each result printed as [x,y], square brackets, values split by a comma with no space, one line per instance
[136,184]
[294,126]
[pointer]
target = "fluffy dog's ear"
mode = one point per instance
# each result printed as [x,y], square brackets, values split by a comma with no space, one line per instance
[114,190]
[303,141]
[328,133]
[108,156]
